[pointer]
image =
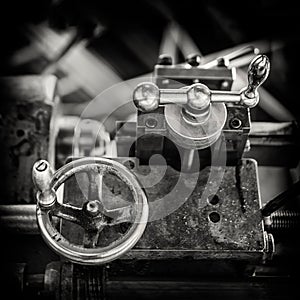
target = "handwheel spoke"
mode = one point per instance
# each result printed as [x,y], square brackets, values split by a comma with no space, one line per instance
[68,213]
[116,215]
[96,185]
[120,215]
[79,216]
[99,182]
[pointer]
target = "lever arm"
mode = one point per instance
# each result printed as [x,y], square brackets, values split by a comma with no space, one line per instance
[147,96]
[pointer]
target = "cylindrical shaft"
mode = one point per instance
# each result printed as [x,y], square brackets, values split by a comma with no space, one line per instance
[19,219]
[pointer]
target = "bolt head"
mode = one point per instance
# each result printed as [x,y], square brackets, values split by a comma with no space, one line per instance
[223,62]
[194,60]
[165,60]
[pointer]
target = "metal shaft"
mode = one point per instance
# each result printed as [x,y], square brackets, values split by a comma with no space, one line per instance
[20,219]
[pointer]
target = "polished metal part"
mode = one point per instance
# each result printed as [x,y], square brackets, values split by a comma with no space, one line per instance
[147,96]
[93,216]
[195,135]
[41,176]
[258,72]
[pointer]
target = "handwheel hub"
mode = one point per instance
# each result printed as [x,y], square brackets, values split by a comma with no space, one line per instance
[93,208]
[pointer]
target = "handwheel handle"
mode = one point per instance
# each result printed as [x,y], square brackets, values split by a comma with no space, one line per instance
[92,217]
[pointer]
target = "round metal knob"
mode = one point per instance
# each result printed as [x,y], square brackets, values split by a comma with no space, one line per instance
[146,97]
[258,72]
[198,97]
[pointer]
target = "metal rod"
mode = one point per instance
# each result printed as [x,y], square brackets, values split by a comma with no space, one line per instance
[19,219]
[187,160]
[225,96]
[173,96]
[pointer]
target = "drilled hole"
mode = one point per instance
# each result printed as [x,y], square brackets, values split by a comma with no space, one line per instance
[129,164]
[21,117]
[20,133]
[235,123]
[213,199]
[214,217]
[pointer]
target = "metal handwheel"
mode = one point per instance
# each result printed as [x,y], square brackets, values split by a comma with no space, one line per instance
[93,217]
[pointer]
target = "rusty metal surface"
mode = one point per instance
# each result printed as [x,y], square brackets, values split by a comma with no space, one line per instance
[188,232]
[26,111]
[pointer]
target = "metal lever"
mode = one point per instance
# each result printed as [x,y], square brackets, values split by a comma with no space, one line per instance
[147,96]
[258,72]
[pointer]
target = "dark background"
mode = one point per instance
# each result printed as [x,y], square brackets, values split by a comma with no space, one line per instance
[213,25]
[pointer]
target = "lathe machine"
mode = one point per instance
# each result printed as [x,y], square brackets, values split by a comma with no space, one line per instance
[167,205]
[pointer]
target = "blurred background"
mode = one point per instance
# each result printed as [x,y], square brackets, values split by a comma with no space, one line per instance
[91,46]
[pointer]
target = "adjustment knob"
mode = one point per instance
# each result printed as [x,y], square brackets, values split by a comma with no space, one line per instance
[258,72]
[198,97]
[146,97]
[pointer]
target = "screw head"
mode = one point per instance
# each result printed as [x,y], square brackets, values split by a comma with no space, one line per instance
[41,165]
[46,199]
[42,175]
[223,62]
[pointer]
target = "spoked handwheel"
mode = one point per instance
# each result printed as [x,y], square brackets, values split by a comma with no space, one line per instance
[93,217]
